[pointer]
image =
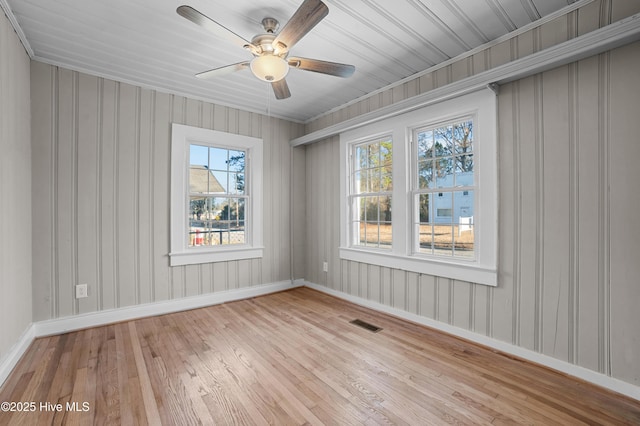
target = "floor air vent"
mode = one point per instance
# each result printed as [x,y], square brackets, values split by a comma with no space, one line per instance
[365,325]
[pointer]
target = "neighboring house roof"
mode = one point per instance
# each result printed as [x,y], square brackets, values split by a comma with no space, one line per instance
[202,181]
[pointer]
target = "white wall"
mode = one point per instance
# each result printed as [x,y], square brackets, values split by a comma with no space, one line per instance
[15,190]
[101,198]
[569,204]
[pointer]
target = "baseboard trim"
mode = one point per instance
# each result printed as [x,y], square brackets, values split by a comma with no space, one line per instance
[573,370]
[9,362]
[95,319]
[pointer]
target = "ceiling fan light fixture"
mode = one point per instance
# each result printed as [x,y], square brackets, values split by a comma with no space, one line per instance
[269,68]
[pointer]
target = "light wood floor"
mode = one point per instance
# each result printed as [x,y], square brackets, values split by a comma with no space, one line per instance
[292,358]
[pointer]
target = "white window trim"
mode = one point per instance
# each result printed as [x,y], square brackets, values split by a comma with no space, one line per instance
[483,270]
[181,254]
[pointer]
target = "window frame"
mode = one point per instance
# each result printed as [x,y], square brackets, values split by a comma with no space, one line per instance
[480,104]
[438,191]
[182,137]
[353,194]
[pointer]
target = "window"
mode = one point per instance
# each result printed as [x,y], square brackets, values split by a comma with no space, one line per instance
[435,169]
[443,164]
[216,199]
[371,183]
[216,196]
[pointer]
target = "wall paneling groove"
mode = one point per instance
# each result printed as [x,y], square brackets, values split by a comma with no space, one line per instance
[15,192]
[101,201]
[568,206]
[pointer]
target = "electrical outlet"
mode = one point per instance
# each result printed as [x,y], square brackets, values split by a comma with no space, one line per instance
[325,266]
[81,291]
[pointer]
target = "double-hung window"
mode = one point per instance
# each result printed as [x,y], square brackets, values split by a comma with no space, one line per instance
[443,180]
[216,199]
[419,190]
[371,184]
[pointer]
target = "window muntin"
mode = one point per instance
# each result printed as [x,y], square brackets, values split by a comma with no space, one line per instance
[371,194]
[444,184]
[411,251]
[217,196]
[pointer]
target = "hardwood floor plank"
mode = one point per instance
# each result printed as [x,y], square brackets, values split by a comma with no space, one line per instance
[292,358]
[148,397]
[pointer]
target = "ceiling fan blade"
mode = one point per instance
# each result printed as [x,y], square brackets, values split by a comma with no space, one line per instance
[204,21]
[323,67]
[303,20]
[281,89]
[228,69]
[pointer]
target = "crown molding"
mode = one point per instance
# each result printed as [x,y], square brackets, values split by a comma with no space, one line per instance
[578,4]
[607,38]
[16,27]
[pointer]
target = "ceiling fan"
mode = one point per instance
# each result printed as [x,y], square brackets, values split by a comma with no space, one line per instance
[270,50]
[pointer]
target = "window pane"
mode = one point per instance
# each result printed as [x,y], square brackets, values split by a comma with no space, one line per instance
[218,158]
[223,235]
[360,230]
[357,182]
[199,155]
[371,209]
[444,172]
[236,161]
[236,183]
[424,205]
[233,209]
[425,174]
[360,208]
[443,207]
[366,177]
[373,155]
[386,181]
[197,207]
[241,209]
[236,233]
[221,182]
[443,239]
[386,153]
[372,234]
[425,145]
[361,157]
[464,239]
[385,209]
[464,164]
[463,204]
[425,238]
[463,137]
[442,144]
[374,180]
[386,235]
[201,181]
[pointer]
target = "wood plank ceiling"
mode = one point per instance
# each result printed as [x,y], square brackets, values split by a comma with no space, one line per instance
[145,42]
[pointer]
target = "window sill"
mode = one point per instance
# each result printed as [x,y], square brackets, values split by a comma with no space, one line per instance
[462,271]
[200,255]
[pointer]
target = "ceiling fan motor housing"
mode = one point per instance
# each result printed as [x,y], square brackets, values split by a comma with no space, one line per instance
[270,25]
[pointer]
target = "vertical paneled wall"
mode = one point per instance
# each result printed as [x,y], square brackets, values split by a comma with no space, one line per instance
[15,189]
[568,210]
[101,194]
